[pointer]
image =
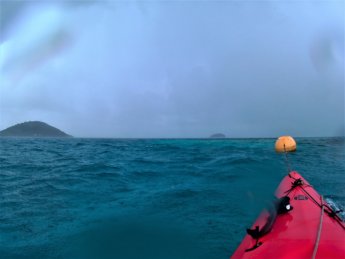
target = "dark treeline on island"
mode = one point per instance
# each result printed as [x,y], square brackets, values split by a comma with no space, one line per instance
[32,129]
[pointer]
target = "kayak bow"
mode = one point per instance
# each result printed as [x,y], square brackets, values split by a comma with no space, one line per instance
[308,228]
[299,224]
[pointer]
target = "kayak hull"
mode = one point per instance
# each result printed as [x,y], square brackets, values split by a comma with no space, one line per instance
[309,230]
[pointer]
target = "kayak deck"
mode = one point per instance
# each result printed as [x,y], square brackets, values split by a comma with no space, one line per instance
[310,230]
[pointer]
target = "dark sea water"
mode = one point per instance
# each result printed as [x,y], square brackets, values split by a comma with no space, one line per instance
[108,198]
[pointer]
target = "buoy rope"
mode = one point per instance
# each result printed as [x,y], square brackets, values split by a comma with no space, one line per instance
[287,161]
[319,230]
[297,182]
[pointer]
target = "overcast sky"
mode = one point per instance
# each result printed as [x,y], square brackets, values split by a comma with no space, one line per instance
[175,68]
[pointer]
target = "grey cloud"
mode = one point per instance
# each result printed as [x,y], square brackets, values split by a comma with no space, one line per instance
[189,69]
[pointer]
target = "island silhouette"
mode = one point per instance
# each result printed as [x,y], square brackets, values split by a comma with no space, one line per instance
[218,135]
[33,129]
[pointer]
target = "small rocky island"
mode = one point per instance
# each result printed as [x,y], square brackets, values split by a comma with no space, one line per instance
[218,135]
[33,129]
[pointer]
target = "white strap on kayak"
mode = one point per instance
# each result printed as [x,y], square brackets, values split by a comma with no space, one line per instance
[318,231]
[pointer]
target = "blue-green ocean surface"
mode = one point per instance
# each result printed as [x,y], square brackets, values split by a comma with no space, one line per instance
[173,198]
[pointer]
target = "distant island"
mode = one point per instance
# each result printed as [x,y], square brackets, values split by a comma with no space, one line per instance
[218,135]
[33,129]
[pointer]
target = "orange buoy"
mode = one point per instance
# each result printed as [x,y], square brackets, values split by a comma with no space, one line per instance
[285,143]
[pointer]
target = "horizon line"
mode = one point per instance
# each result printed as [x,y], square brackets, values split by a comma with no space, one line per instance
[163,138]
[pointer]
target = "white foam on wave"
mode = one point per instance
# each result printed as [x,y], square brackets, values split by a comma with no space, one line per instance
[336,207]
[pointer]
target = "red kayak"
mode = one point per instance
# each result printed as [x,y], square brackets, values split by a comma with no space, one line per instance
[299,224]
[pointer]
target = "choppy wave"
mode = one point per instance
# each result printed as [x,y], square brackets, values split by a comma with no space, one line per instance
[55,192]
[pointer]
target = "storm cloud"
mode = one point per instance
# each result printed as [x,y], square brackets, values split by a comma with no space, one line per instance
[174,69]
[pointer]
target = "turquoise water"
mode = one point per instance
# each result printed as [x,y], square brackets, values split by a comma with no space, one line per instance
[108,198]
